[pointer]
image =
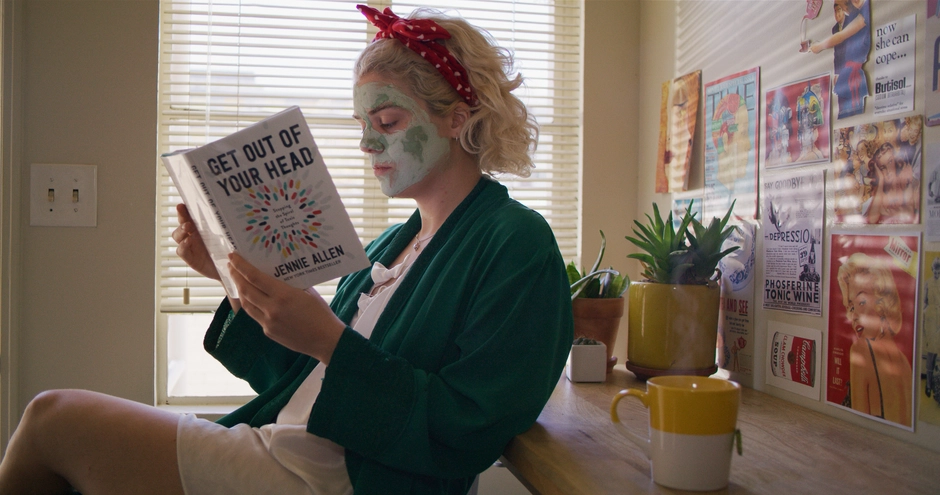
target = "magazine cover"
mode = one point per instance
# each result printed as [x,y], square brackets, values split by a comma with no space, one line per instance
[929,385]
[265,192]
[796,120]
[877,171]
[872,317]
[792,225]
[678,117]
[731,144]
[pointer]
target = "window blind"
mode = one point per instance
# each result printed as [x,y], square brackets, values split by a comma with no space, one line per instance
[225,64]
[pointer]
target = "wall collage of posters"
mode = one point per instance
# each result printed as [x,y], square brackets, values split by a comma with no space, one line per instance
[882,336]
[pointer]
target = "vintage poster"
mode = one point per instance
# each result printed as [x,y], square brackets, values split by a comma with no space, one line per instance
[894,66]
[933,63]
[812,10]
[736,315]
[792,225]
[850,42]
[932,171]
[678,116]
[732,144]
[876,168]
[681,204]
[929,386]
[793,360]
[796,123]
[872,317]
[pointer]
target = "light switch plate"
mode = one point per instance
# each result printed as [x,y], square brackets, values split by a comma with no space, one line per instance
[63,195]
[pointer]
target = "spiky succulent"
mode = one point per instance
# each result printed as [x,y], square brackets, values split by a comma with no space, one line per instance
[674,255]
[606,283]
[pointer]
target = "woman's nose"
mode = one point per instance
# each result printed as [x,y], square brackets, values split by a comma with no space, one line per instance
[371,145]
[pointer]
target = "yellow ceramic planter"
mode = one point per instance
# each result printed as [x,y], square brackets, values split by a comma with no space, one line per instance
[673,328]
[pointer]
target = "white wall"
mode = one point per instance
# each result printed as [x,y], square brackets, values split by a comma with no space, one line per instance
[86,298]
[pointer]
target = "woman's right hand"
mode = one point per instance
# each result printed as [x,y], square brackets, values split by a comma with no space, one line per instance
[190,247]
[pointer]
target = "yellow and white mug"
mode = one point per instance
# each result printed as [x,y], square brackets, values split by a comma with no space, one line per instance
[692,429]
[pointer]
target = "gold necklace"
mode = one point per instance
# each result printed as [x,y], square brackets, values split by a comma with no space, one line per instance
[418,242]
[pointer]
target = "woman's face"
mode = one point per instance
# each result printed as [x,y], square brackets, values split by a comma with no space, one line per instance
[862,312]
[402,140]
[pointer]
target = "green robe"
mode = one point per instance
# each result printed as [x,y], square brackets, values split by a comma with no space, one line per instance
[463,358]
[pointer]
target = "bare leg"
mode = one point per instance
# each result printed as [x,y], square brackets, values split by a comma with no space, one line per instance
[95,443]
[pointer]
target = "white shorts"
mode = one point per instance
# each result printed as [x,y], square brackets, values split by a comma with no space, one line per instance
[241,460]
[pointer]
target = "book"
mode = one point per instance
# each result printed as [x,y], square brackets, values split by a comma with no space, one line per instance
[265,193]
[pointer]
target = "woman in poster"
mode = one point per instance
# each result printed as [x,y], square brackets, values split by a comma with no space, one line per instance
[854,37]
[880,380]
[895,188]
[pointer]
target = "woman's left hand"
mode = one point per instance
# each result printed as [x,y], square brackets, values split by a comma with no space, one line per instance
[299,320]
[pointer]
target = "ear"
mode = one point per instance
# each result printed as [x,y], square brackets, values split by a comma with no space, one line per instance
[458,118]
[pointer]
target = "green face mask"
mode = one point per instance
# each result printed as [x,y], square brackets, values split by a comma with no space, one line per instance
[411,152]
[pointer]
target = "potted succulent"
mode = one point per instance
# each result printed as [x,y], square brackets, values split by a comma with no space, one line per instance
[673,318]
[597,302]
[587,361]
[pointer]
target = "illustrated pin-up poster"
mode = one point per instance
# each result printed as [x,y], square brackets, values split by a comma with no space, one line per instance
[796,121]
[933,62]
[736,313]
[877,172]
[793,222]
[894,66]
[872,317]
[678,116]
[850,42]
[731,144]
[929,386]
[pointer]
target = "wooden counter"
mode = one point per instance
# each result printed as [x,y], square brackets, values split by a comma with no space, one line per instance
[788,449]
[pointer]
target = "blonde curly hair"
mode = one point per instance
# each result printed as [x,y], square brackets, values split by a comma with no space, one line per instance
[500,131]
[887,298]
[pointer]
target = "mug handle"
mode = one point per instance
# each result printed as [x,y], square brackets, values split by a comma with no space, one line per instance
[639,394]
[644,398]
[737,441]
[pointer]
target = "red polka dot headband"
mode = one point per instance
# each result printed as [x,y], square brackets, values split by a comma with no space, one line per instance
[421,35]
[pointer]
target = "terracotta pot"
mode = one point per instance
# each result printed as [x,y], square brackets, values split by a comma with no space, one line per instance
[598,319]
[673,329]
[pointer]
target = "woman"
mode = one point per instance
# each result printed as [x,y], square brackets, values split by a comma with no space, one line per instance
[417,375]
[880,375]
[895,188]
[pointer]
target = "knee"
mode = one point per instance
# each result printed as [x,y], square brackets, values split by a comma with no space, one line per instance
[47,408]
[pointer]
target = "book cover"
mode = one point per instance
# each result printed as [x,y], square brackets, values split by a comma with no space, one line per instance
[265,193]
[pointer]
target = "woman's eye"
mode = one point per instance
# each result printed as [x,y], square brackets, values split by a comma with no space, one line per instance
[388,125]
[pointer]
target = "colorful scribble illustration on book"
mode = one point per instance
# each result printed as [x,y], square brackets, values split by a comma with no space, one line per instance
[284,218]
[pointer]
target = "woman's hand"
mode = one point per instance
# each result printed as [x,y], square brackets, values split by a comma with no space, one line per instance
[299,320]
[190,247]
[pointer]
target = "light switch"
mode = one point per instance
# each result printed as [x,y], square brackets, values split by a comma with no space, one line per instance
[63,195]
